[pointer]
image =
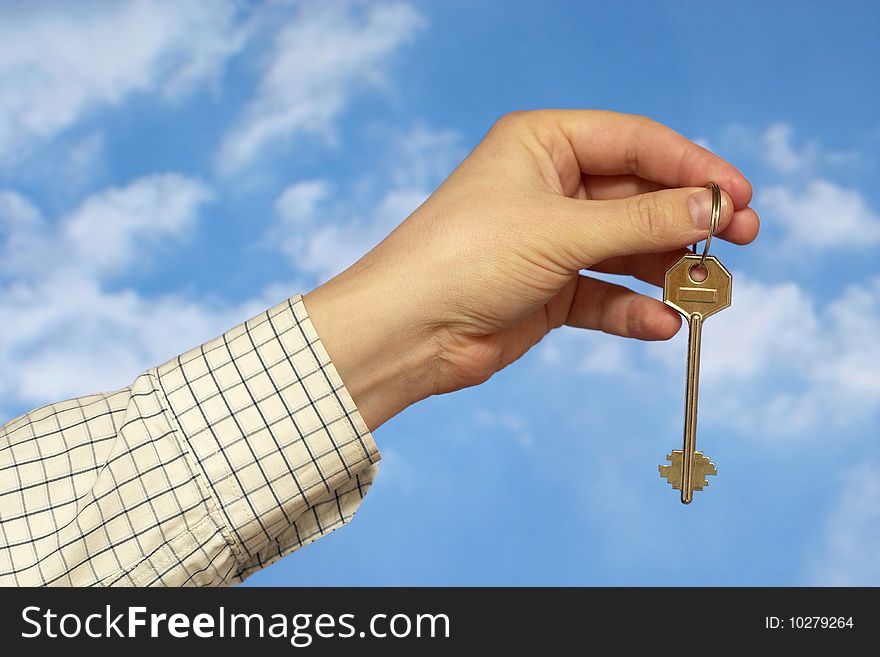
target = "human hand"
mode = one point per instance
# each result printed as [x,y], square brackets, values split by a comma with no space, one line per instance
[490,263]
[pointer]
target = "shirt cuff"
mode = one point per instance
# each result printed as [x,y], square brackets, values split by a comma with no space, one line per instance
[283,450]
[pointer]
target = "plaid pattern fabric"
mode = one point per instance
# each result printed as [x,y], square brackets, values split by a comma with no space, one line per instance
[204,470]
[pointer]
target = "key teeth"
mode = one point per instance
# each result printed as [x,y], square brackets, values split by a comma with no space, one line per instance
[703,468]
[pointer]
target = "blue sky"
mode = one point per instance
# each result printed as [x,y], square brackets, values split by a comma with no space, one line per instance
[170,169]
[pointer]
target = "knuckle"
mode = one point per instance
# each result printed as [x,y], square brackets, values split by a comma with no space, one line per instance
[634,320]
[650,216]
[511,119]
[518,119]
[639,124]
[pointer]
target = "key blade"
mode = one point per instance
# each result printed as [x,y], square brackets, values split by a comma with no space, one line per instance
[703,468]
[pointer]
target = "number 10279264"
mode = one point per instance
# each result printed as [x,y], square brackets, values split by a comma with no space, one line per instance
[809,622]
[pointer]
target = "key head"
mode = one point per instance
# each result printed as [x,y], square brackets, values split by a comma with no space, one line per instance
[683,290]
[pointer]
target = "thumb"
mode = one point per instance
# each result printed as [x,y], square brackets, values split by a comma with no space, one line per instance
[648,223]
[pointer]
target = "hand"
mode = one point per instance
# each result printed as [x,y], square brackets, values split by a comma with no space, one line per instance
[490,263]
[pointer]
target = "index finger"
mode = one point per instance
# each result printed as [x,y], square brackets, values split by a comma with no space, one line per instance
[609,144]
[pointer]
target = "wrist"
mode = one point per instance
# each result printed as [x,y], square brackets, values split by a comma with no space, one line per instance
[382,352]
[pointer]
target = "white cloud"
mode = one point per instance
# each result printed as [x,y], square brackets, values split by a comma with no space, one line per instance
[611,357]
[21,231]
[298,203]
[111,228]
[323,232]
[319,59]
[60,61]
[65,336]
[64,333]
[849,554]
[423,156]
[822,215]
[775,364]
[797,192]
[768,327]
[779,152]
[510,425]
[586,352]
[322,237]
[80,160]
[776,148]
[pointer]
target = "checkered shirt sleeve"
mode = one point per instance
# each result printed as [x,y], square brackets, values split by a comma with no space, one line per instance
[204,470]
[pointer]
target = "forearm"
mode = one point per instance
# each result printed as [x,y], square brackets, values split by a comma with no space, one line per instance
[376,338]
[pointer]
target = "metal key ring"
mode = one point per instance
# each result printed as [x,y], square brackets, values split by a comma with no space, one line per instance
[713,222]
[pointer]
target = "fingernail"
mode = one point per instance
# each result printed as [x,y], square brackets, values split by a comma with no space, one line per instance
[700,208]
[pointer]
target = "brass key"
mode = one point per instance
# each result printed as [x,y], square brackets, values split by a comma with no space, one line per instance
[696,297]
